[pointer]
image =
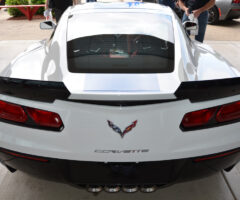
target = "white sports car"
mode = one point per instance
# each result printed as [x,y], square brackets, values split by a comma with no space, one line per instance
[119,98]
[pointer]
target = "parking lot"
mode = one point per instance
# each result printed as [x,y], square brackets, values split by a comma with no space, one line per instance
[16,35]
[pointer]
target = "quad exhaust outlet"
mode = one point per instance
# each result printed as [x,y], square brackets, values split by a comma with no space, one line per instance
[125,188]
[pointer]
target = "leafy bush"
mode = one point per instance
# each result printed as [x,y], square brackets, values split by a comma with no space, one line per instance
[36,2]
[14,11]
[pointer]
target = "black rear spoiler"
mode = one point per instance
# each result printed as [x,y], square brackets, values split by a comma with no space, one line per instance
[45,91]
[197,91]
[49,91]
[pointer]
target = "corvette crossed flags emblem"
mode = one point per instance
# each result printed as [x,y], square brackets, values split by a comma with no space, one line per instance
[118,130]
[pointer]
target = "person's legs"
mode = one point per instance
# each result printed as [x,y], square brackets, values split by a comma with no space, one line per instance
[185,18]
[51,4]
[58,14]
[202,22]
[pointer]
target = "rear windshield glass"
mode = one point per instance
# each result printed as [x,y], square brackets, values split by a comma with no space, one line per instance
[121,52]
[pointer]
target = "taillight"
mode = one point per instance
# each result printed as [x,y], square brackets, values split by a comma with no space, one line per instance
[229,112]
[236,1]
[45,118]
[198,118]
[12,112]
[211,117]
[30,117]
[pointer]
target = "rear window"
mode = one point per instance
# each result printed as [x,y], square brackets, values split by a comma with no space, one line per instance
[141,48]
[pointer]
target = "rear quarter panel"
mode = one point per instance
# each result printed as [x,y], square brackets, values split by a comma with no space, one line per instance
[225,7]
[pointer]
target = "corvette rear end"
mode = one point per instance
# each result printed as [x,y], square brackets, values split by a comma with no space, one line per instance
[114,107]
[228,9]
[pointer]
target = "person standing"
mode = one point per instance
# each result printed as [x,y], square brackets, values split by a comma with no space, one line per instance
[199,8]
[59,6]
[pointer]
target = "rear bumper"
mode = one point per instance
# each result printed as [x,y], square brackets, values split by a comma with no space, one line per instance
[234,13]
[99,173]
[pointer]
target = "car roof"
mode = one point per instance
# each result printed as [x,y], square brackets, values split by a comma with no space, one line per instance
[127,6]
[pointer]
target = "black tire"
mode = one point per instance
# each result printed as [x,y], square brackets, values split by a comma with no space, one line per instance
[213,17]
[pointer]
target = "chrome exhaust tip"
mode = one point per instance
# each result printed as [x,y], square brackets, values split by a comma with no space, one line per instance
[112,188]
[148,188]
[94,188]
[130,188]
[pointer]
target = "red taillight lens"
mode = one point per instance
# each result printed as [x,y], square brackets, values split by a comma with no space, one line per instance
[198,118]
[228,112]
[30,117]
[45,118]
[211,117]
[236,1]
[12,112]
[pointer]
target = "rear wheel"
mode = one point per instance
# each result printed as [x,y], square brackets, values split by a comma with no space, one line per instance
[213,17]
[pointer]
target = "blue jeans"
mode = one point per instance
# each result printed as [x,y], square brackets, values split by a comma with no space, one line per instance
[202,22]
[169,3]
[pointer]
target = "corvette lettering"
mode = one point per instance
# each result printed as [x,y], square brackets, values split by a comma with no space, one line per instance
[122,151]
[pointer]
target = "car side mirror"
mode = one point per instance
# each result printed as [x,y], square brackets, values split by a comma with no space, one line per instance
[191,27]
[47,25]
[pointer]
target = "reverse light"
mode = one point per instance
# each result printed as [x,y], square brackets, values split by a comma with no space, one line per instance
[12,112]
[30,117]
[45,118]
[210,117]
